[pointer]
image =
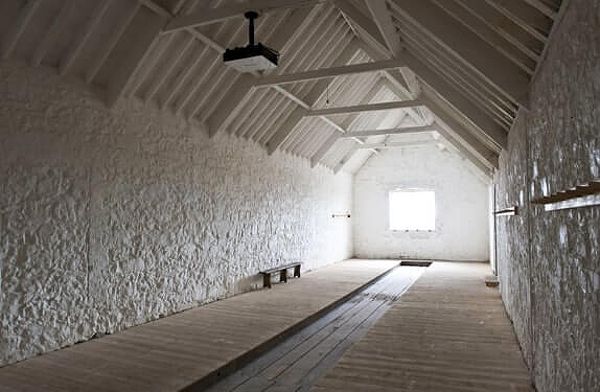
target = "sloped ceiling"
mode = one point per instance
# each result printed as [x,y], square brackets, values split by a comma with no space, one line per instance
[355,75]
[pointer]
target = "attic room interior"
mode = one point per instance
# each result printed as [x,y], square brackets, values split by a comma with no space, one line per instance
[300,195]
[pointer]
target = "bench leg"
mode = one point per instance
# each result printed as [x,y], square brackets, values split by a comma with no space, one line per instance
[283,276]
[297,271]
[267,281]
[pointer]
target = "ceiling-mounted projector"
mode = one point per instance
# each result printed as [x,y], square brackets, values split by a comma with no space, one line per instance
[254,57]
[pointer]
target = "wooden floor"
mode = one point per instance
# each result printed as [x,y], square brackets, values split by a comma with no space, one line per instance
[447,333]
[189,348]
[298,362]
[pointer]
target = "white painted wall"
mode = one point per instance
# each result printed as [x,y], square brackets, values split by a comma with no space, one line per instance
[461,201]
[111,218]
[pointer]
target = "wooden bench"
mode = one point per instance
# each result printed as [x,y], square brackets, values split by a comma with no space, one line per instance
[282,273]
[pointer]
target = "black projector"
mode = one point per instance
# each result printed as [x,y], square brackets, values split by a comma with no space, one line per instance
[251,58]
[254,57]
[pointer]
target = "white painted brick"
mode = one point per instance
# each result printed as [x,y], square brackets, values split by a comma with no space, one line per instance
[549,261]
[461,201]
[111,218]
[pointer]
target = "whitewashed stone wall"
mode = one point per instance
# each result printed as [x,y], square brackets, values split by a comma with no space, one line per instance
[462,201]
[549,262]
[111,218]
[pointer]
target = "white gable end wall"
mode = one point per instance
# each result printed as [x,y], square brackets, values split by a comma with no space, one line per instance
[461,206]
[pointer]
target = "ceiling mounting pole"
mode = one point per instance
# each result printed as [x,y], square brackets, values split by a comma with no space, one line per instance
[251,15]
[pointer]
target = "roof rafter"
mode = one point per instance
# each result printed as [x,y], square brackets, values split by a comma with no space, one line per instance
[484,124]
[479,163]
[146,37]
[504,27]
[82,38]
[239,94]
[13,35]
[158,82]
[494,132]
[447,117]
[111,42]
[305,105]
[299,113]
[330,142]
[51,35]
[473,22]
[383,20]
[527,17]
[467,46]
[543,8]
[367,29]
[207,16]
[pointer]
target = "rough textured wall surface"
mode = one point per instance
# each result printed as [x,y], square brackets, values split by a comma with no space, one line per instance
[550,260]
[461,206]
[111,218]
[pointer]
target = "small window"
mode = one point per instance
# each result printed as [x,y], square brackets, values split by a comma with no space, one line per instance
[412,210]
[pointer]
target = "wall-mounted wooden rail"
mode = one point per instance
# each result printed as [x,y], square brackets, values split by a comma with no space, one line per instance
[341,215]
[507,211]
[591,188]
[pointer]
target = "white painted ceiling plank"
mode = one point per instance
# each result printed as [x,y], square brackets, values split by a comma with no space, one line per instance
[113,39]
[503,27]
[484,124]
[543,8]
[82,38]
[383,20]
[159,81]
[479,26]
[526,21]
[368,29]
[58,24]
[463,43]
[484,167]
[150,64]
[206,16]
[18,28]
[132,61]
[296,116]
[331,142]
[239,94]
[443,115]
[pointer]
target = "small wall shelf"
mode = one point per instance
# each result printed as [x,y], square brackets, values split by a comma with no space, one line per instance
[341,215]
[591,188]
[507,211]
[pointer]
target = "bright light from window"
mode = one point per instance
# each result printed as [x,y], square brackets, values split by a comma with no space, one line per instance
[412,210]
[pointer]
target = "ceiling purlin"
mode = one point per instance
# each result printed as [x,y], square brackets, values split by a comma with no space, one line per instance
[474,68]
[472,50]
[238,94]
[369,29]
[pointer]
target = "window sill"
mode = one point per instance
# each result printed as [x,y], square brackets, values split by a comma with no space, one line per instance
[412,231]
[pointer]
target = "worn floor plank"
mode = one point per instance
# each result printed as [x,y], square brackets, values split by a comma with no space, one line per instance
[447,333]
[174,352]
[296,363]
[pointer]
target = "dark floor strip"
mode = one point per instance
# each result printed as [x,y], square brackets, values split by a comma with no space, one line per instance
[298,362]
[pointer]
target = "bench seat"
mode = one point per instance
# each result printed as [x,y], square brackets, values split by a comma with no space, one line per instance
[282,273]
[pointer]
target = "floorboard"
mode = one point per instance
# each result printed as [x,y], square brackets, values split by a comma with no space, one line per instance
[449,332]
[300,360]
[190,349]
